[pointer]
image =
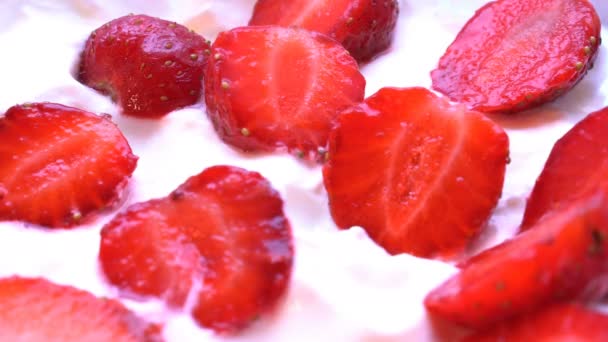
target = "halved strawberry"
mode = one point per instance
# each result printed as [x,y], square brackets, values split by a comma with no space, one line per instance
[364,27]
[35,310]
[59,164]
[221,238]
[270,88]
[516,54]
[577,166]
[149,66]
[563,257]
[419,174]
[561,322]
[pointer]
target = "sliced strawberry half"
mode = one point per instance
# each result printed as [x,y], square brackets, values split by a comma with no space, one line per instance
[516,54]
[35,310]
[149,66]
[562,322]
[221,238]
[364,27]
[270,88]
[419,174]
[60,164]
[564,257]
[577,166]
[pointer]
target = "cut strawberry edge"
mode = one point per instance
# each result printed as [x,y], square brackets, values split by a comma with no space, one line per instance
[34,309]
[61,166]
[577,166]
[219,246]
[483,68]
[414,178]
[290,111]
[364,28]
[559,322]
[521,275]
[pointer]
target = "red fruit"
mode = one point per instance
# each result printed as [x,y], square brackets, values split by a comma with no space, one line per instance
[35,310]
[563,257]
[149,66]
[221,238]
[561,322]
[364,27]
[577,166]
[419,174]
[59,164]
[270,88]
[517,54]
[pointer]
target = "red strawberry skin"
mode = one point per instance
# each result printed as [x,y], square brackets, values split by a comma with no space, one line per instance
[420,175]
[364,27]
[577,166]
[563,257]
[59,165]
[221,236]
[517,54]
[273,88]
[35,310]
[149,66]
[561,322]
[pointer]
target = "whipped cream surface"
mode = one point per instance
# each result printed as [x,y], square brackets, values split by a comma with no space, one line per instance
[344,287]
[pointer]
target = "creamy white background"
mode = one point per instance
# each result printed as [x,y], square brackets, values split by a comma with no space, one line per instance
[344,287]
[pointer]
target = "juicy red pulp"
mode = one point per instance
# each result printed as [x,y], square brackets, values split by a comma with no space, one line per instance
[363,27]
[406,155]
[59,164]
[516,54]
[576,167]
[272,88]
[220,238]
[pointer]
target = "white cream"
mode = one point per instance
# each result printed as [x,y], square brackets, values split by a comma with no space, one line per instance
[344,287]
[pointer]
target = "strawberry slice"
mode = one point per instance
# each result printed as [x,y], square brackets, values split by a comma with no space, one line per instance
[35,310]
[364,27]
[149,66]
[517,54]
[60,164]
[561,322]
[419,174]
[563,257]
[270,88]
[220,238]
[577,166]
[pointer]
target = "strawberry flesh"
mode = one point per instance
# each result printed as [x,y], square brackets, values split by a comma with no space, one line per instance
[420,175]
[560,322]
[577,166]
[149,66]
[364,27]
[220,238]
[35,310]
[564,257]
[60,164]
[270,88]
[517,54]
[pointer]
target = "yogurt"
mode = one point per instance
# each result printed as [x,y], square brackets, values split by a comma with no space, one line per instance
[344,287]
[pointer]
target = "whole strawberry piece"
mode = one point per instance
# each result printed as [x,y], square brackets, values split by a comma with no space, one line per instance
[560,322]
[35,310]
[149,66]
[420,175]
[269,88]
[563,257]
[577,166]
[364,27]
[60,164]
[220,238]
[517,54]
